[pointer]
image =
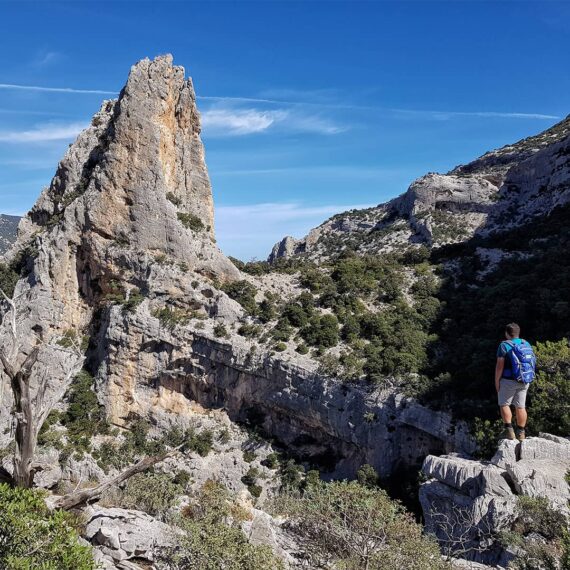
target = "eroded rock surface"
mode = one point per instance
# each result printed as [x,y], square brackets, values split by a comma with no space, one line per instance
[504,188]
[466,503]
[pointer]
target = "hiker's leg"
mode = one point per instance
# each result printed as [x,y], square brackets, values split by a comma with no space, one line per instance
[521,417]
[506,414]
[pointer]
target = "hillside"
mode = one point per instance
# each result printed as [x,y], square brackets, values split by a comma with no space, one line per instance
[440,209]
[8,230]
[130,339]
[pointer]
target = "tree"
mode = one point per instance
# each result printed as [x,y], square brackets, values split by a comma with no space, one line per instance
[35,392]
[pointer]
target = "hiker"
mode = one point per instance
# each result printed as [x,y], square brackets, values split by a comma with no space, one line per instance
[514,372]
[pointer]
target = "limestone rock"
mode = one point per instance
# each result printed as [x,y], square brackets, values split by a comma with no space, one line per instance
[8,231]
[480,498]
[438,209]
[121,534]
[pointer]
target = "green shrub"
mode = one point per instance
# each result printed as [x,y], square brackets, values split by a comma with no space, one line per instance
[281,331]
[302,348]
[191,222]
[321,331]
[8,279]
[266,311]
[153,493]
[244,293]
[354,526]
[220,331]
[249,456]
[368,476]
[173,198]
[134,300]
[33,537]
[271,461]
[280,347]
[200,442]
[171,318]
[84,417]
[250,330]
[212,537]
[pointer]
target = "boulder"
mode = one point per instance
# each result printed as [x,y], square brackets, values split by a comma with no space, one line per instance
[122,534]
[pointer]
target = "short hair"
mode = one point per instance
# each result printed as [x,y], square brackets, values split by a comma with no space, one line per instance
[512,329]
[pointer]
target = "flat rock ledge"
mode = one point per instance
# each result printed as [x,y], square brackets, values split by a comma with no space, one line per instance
[465,502]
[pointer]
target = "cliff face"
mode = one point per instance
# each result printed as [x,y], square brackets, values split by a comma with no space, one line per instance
[503,188]
[129,211]
[8,230]
[120,256]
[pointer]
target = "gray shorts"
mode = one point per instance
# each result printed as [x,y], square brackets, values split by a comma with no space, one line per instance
[512,393]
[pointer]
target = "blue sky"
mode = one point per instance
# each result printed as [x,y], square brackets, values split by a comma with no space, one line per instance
[309,108]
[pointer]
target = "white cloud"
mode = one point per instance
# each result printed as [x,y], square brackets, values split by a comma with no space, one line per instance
[228,122]
[338,171]
[251,230]
[223,121]
[43,133]
[56,89]
[45,58]
[446,115]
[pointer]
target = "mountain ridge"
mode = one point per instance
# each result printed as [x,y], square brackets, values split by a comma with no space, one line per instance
[437,209]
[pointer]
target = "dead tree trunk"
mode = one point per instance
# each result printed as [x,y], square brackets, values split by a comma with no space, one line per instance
[27,428]
[31,410]
[78,498]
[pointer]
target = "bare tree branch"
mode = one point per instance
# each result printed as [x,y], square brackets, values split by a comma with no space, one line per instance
[76,499]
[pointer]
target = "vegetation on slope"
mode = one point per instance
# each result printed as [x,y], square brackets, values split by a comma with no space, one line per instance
[33,537]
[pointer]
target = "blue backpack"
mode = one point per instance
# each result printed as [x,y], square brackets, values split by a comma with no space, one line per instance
[523,362]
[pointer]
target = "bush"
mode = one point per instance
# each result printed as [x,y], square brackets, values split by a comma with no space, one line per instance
[201,442]
[153,493]
[171,318]
[281,331]
[244,293]
[322,331]
[220,331]
[173,199]
[212,537]
[266,311]
[271,461]
[354,527]
[191,222]
[280,347]
[8,279]
[249,456]
[33,537]
[134,300]
[540,534]
[249,330]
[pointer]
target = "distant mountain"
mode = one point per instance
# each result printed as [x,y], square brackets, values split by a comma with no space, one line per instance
[502,189]
[8,230]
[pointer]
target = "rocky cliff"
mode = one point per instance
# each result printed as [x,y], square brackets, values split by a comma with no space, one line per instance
[119,253]
[468,504]
[8,231]
[503,188]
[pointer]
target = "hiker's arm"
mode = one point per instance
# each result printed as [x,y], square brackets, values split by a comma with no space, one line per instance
[499,371]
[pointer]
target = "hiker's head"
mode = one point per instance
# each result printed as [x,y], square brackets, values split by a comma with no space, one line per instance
[512,330]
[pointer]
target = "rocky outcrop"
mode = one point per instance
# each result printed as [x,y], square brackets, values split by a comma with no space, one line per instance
[129,210]
[341,425]
[123,537]
[467,503]
[8,231]
[503,188]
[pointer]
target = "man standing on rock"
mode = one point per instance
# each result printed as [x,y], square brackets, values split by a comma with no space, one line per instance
[513,374]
